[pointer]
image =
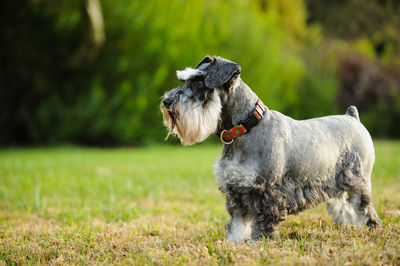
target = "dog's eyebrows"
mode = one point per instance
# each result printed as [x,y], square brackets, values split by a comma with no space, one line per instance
[197,78]
[188,73]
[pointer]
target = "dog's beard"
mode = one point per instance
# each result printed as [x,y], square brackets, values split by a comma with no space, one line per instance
[191,121]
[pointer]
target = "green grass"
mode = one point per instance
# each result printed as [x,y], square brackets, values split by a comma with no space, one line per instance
[72,184]
[161,205]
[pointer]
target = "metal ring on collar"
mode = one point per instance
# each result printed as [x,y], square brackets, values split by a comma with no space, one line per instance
[222,138]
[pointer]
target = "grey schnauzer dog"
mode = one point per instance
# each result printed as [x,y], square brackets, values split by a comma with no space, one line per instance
[272,165]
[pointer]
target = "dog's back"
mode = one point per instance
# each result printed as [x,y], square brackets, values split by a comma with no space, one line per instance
[318,145]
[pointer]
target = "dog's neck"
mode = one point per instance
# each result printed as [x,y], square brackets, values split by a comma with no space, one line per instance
[237,105]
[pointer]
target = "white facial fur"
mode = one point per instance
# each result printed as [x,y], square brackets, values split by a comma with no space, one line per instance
[193,122]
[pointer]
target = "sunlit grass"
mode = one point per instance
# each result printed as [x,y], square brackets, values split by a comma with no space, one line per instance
[161,205]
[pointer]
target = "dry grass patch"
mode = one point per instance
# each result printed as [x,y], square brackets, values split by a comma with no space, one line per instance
[308,238]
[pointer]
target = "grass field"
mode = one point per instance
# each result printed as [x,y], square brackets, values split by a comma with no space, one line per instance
[161,205]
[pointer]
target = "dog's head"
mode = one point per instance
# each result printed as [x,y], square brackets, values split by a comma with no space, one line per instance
[192,110]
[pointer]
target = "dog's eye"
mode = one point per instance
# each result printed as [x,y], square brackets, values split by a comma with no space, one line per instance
[197,83]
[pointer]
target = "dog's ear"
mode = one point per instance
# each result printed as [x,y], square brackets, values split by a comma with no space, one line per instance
[205,60]
[220,71]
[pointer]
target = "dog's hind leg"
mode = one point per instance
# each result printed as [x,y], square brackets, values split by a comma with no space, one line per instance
[342,211]
[354,205]
[352,208]
[373,218]
[361,201]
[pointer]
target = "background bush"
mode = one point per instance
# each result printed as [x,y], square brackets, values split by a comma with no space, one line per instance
[58,87]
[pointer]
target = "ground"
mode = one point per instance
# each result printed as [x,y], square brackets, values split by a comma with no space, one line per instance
[161,205]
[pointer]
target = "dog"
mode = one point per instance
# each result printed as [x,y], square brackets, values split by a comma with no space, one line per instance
[272,165]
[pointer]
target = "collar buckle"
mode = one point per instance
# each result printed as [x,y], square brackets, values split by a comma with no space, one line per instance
[221,137]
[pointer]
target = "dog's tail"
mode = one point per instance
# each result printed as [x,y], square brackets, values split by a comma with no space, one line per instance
[352,111]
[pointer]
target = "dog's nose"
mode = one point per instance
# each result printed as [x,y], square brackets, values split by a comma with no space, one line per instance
[167,102]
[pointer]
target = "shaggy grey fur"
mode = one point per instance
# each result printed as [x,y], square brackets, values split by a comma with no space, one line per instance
[283,166]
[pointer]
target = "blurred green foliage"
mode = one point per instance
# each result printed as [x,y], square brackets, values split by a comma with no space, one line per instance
[377,22]
[51,94]
[370,29]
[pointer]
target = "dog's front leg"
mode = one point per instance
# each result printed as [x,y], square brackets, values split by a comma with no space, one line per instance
[263,228]
[268,209]
[239,227]
[254,214]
